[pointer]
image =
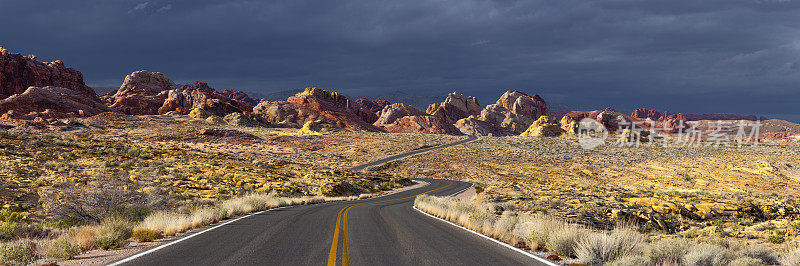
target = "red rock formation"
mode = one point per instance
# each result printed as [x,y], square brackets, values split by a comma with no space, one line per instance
[51,102]
[402,118]
[17,73]
[456,106]
[200,95]
[644,113]
[29,89]
[476,127]
[515,111]
[150,93]
[421,124]
[141,93]
[239,96]
[376,106]
[610,120]
[317,104]
[657,116]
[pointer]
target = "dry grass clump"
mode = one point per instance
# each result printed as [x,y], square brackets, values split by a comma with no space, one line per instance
[62,247]
[601,247]
[146,235]
[668,251]
[791,258]
[115,230]
[623,245]
[170,223]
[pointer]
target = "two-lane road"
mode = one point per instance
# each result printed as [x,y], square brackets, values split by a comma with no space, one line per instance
[380,231]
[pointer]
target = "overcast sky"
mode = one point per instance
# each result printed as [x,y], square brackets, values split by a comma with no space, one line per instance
[692,56]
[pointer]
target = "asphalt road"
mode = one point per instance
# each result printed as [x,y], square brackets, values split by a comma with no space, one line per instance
[411,153]
[380,231]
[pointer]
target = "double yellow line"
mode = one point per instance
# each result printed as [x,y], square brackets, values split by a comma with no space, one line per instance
[342,220]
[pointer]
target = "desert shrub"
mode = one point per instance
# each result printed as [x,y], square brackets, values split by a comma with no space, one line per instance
[564,240]
[707,255]
[113,233]
[792,258]
[7,231]
[504,227]
[146,235]
[535,229]
[61,248]
[85,237]
[776,239]
[600,247]
[763,226]
[667,251]
[762,253]
[18,253]
[746,261]
[9,216]
[631,260]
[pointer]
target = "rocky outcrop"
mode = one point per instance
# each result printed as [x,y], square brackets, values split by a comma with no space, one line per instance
[394,111]
[421,124]
[456,106]
[375,106]
[402,118]
[609,119]
[543,127]
[239,96]
[317,104]
[18,73]
[50,102]
[476,127]
[151,93]
[318,127]
[515,111]
[241,120]
[654,115]
[200,95]
[141,93]
[30,89]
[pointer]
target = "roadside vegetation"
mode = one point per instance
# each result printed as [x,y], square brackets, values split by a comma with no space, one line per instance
[67,193]
[30,242]
[624,244]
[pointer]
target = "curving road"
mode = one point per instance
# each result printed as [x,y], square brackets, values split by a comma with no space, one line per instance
[378,231]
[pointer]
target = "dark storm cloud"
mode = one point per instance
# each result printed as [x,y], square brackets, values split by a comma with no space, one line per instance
[684,55]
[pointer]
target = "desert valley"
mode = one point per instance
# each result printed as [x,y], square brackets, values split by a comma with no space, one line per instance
[83,171]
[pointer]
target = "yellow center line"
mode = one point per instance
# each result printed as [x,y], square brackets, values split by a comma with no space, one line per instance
[332,255]
[345,238]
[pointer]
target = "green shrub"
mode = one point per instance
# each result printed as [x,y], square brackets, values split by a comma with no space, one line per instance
[7,231]
[776,239]
[18,253]
[109,241]
[114,232]
[9,216]
[146,235]
[61,248]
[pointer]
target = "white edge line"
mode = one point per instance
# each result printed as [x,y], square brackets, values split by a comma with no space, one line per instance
[140,254]
[459,192]
[491,239]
